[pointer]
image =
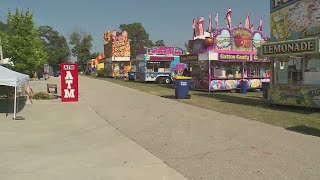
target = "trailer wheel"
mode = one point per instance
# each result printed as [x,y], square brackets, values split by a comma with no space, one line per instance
[157,81]
[167,80]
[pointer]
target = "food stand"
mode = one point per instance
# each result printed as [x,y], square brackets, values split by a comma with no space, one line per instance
[157,64]
[117,53]
[294,53]
[95,66]
[224,59]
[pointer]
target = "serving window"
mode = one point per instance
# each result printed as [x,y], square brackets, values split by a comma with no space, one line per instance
[289,71]
[199,69]
[298,71]
[158,66]
[312,70]
[226,69]
[257,70]
[121,67]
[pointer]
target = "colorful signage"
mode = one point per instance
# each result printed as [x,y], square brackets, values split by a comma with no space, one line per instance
[241,57]
[106,37]
[118,68]
[179,66]
[278,4]
[161,58]
[291,47]
[237,39]
[108,50]
[162,50]
[199,29]
[297,96]
[107,44]
[257,40]
[241,39]
[69,82]
[191,57]
[121,44]
[222,39]
[223,84]
[294,19]
[256,58]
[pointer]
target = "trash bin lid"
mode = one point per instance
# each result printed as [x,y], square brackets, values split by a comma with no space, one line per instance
[182,77]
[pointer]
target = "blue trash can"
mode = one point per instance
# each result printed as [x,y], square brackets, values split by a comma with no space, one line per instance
[244,85]
[132,76]
[182,86]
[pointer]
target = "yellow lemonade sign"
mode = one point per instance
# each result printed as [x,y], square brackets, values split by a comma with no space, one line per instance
[290,47]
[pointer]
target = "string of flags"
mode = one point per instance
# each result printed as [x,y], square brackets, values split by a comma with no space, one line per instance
[198,24]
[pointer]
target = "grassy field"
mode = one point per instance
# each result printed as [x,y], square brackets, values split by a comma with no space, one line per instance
[251,106]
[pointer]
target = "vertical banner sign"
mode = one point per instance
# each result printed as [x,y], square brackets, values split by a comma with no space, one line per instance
[69,82]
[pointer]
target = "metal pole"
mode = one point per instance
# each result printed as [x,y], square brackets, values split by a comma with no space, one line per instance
[1,53]
[15,103]
[209,75]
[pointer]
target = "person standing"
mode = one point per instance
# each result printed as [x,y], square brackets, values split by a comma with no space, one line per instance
[45,75]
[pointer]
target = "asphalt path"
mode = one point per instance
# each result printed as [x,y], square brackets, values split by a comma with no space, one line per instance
[201,143]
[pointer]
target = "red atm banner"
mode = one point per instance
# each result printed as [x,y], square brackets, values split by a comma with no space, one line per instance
[69,82]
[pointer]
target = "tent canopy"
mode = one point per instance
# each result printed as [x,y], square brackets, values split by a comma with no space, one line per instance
[12,78]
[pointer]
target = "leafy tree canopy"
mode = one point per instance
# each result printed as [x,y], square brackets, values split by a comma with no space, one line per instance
[95,55]
[138,36]
[4,27]
[23,44]
[82,44]
[55,45]
[159,43]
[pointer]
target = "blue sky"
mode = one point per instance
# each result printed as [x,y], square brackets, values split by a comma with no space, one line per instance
[169,20]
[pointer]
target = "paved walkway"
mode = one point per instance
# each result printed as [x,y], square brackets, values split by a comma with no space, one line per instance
[200,143]
[70,141]
[86,140]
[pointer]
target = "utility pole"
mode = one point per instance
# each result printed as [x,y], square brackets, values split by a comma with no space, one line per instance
[1,53]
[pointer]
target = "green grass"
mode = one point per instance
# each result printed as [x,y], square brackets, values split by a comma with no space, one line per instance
[42,96]
[251,106]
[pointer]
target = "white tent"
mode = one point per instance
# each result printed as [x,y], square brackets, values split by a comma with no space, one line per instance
[7,61]
[13,79]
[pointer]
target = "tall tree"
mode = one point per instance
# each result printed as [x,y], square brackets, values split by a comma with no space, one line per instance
[82,44]
[94,55]
[55,45]
[159,43]
[4,27]
[23,44]
[3,30]
[138,36]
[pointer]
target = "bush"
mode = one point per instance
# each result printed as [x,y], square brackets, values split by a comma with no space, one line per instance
[42,96]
